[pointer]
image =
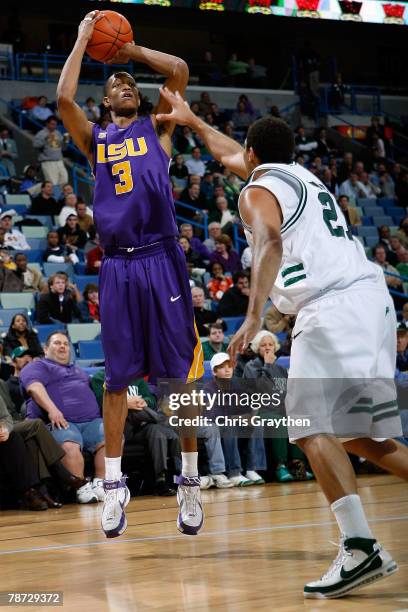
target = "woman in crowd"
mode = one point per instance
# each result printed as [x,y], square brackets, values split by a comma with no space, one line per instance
[191,256]
[225,255]
[89,307]
[20,333]
[219,283]
[289,460]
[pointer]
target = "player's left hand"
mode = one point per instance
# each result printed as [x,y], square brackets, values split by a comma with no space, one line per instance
[243,336]
[123,55]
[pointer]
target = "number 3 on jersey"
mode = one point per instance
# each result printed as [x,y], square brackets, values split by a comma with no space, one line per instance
[124,171]
[330,217]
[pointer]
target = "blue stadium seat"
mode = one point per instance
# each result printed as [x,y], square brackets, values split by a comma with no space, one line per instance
[369,230]
[283,361]
[387,202]
[233,323]
[46,220]
[396,213]
[20,209]
[371,241]
[281,336]
[80,268]
[6,315]
[373,211]
[384,220]
[82,280]
[367,221]
[52,268]
[45,330]
[90,349]
[35,255]
[207,371]
[367,201]
[37,243]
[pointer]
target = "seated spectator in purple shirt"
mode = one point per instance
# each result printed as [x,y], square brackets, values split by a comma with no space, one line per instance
[225,254]
[60,394]
[186,231]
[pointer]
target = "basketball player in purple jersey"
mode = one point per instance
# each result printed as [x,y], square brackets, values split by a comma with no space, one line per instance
[145,300]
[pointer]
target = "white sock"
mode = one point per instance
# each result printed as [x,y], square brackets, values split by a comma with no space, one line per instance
[350,517]
[189,464]
[113,468]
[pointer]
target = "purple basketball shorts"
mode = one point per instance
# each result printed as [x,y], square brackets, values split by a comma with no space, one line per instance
[147,315]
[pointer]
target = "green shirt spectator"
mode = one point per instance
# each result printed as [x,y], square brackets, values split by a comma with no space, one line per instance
[215,342]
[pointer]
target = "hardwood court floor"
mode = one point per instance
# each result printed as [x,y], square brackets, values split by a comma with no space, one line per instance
[259,546]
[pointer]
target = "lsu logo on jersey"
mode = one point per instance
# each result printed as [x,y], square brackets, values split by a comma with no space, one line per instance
[116,152]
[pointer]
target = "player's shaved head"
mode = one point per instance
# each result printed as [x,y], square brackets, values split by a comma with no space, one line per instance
[271,140]
[121,76]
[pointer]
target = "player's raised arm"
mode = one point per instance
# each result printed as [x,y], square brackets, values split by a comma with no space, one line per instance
[71,113]
[226,150]
[261,211]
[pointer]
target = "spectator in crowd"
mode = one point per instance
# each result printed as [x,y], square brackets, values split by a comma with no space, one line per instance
[58,305]
[30,183]
[186,231]
[219,283]
[401,189]
[351,215]
[89,306]
[69,208]
[352,188]
[59,393]
[58,253]
[257,74]
[402,233]
[207,186]
[91,110]
[195,164]
[367,187]
[41,111]
[20,356]
[337,93]
[186,141]
[7,259]
[221,367]
[236,70]
[223,215]
[32,277]
[241,118]
[330,182]
[290,462]
[234,302]
[13,238]
[384,234]
[50,144]
[203,317]
[402,266]
[276,322]
[8,151]
[71,234]
[377,146]
[20,333]
[9,281]
[225,254]
[204,103]
[397,249]
[386,184]
[93,240]
[324,148]
[215,343]
[209,70]
[192,196]
[246,258]
[214,231]
[404,320]
[94,259]
[346,167]
[402,350]
[304,144]
[393,281]
[374,128]
[6,369]
[191,256]
[147,426]
[72,289]
[178,173]
[67,189]
[45,203]
[85,220]
[194,276]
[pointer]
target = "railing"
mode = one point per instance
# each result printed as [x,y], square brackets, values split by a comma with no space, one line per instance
[402,278]
[180,218]
[353,91]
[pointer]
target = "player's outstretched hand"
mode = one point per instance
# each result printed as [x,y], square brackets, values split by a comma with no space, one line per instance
[180,110]
[243,337]
[123,55]
[86,27]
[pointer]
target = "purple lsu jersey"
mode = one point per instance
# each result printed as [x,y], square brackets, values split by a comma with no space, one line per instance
[133,203]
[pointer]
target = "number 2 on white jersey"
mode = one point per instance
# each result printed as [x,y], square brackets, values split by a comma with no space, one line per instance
[124,171]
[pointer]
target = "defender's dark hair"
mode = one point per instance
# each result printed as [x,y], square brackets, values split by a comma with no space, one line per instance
[272,140]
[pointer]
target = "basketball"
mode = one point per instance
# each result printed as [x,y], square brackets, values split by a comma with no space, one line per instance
[110,34]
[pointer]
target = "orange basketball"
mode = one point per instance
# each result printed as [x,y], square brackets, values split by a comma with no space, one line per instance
[109,35]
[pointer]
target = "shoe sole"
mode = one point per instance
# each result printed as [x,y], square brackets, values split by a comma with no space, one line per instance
[358,583]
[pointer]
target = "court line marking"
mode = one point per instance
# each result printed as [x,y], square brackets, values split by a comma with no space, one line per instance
[178,537]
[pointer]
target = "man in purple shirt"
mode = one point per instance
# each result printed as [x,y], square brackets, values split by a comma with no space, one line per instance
[60,394]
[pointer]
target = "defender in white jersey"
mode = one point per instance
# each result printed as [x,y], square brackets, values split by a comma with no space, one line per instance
[305,258]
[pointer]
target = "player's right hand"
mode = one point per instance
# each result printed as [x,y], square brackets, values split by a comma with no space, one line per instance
[86,27]
[180,110]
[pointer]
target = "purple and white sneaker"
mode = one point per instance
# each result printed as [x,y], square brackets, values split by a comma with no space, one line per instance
[191,516]
[117,497]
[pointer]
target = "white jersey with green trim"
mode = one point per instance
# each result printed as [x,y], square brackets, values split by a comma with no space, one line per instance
[319,252]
